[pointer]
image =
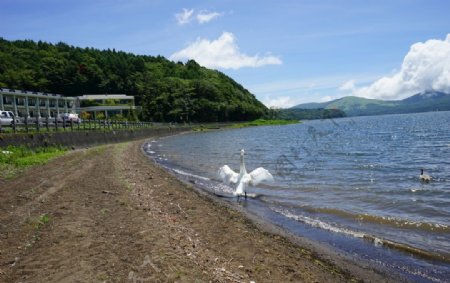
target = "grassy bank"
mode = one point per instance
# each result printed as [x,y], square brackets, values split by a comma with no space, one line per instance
[263,122]
[13,159]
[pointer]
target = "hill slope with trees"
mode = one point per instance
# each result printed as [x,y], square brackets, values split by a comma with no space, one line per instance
[167,91]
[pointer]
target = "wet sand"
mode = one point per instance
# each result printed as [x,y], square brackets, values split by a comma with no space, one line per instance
[115,216]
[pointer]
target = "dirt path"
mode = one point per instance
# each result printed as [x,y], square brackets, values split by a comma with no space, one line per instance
[107,214]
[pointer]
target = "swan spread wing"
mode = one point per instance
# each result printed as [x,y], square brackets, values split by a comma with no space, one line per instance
[227,175]
[260,175]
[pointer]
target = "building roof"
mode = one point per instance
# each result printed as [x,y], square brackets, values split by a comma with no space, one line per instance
[33,93]
[16,92]
[104,96]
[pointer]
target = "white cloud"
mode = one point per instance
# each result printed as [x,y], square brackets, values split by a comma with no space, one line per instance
[326,98]
[222,53]
[348,85]
[426,67]
[279,102]
[184,17]
[204,16]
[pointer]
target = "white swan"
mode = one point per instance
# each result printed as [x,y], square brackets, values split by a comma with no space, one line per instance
[243,179]
[424,177]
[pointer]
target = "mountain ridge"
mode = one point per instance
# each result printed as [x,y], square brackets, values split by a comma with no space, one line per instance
[359,106]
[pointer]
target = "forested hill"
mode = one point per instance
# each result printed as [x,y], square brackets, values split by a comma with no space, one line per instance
[167,91]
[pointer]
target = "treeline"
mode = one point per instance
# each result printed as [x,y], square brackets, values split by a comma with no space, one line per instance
[309,114]
[167,91]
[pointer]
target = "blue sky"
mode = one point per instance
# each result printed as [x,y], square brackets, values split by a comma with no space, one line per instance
[285,52]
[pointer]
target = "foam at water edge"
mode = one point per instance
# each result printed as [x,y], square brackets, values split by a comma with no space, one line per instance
[379,242]
[218,188]
[319,224]
[224,188]
[181,172]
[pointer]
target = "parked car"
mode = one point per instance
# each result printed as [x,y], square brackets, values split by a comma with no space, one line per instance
[69,117]
[7,118]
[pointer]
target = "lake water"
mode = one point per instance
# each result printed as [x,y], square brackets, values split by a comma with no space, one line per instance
[350,183]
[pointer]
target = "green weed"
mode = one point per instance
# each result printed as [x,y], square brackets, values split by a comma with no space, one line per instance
[14,159]
[41,221]
[263,122]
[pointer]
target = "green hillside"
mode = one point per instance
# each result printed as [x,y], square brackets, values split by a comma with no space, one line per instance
[167,91]
[355,106]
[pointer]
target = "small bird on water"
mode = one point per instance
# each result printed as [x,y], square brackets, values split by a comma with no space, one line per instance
[424,177]
[243,179]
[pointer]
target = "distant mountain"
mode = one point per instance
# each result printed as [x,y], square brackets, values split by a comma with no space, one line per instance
[358,106]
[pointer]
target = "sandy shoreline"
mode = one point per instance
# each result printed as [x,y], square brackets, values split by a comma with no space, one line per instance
[120,218]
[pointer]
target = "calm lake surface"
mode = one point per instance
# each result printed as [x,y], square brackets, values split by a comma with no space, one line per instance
[351,183]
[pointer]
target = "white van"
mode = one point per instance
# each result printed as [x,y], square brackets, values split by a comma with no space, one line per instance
[7,117]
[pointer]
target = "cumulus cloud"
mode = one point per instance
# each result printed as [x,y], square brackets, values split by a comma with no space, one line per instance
[426,67]
[185,16]
[222,53]
[348,85]
[280,102]
[205,16]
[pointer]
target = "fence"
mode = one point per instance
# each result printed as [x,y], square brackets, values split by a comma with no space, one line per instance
[54,125]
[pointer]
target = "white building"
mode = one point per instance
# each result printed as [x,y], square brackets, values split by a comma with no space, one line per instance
[108,104]
[39,104]
[35,104]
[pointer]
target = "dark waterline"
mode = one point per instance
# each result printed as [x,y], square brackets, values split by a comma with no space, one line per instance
[349,183]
